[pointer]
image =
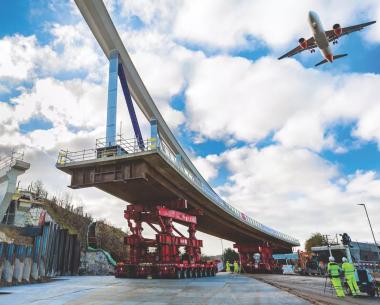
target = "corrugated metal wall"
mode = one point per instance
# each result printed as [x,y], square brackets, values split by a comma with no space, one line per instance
[54,252]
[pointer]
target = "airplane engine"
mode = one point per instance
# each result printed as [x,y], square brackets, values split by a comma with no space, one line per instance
[337,29]
[303,43]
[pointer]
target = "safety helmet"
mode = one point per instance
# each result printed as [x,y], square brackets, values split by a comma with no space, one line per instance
[344,259]
[331,259]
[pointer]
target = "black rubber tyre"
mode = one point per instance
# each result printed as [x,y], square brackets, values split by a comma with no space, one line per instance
[178,274]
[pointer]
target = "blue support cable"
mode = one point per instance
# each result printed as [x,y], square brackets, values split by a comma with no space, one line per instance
[131,109]
[112,99]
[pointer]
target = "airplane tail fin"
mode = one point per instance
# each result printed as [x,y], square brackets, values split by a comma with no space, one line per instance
[335,57]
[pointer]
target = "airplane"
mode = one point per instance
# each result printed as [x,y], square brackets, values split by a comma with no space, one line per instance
[322,39]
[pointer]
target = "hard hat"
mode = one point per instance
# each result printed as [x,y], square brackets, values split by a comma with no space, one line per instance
[344,259]
[331,259]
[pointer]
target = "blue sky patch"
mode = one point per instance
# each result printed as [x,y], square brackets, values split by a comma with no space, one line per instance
[178,101]
[35,124]
[366,157]
[137,23]
[360,155]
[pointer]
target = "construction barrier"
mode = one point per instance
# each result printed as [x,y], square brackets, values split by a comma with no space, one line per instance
[54,252]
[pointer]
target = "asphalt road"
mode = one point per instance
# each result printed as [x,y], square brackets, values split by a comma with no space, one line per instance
[223,289]
[312,289]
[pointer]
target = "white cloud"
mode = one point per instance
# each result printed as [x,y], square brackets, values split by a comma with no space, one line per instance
[151,12]
[78,50]
[228,24]
[207,166]
[295,190]
[64,103]
[21,56]
[233,97]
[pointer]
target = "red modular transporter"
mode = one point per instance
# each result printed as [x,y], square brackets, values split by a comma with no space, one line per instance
[162,257]
[256,258]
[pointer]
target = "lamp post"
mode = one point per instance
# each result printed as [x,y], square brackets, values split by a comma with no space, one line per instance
[373,235]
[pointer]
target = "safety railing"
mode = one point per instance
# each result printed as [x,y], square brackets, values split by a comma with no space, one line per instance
[9,161]
[131,146]
[118,148]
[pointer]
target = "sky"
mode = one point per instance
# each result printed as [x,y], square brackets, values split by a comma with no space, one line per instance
[293,146]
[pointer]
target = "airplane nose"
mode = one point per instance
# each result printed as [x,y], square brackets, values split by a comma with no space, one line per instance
[312,19]
[311,16]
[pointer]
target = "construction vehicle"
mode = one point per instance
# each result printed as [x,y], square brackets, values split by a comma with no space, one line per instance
[364,277]
[162,257]
[364,274]
[307,264]
[300,262]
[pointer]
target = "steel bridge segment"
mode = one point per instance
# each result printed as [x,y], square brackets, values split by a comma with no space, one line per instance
[71,162]
[101,25]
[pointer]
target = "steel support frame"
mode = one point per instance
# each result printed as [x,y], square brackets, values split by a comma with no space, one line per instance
[255,258]
[166,256]
[166,243]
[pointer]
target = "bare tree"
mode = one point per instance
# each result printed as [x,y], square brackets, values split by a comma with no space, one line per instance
[39,190]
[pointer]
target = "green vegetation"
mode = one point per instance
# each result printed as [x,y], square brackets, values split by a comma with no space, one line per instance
[315,240]
[230,255]
[70,216]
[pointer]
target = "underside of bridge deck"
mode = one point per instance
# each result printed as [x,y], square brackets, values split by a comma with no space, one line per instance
[147,178]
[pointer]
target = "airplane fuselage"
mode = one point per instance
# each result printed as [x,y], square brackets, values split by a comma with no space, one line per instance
[320,36]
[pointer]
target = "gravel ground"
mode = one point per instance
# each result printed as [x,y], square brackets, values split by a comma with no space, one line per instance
[312,289]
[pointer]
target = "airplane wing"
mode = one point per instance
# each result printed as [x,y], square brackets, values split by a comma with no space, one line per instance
[348,30]
[309,45]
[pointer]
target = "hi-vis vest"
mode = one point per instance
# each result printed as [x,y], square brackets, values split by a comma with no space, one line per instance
[333,269]
[348,269]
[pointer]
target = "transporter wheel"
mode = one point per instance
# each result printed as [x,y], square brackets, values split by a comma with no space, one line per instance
[196,273]
[178,274]
[190,273]
[184,274]
[213,272]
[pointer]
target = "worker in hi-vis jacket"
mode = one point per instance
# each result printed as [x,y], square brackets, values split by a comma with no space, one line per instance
[349,273]
[334,272]
[228,267]
[236,267]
